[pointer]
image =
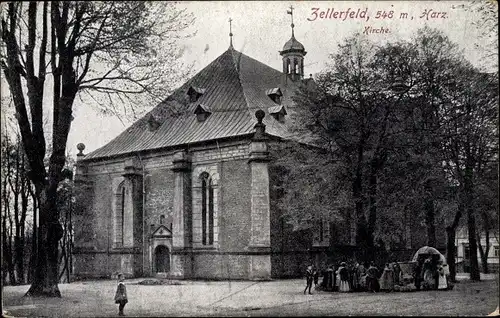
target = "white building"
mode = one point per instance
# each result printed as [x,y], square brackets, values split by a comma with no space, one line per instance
[462,251]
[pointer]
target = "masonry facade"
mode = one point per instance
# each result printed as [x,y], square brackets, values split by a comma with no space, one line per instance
[186,193]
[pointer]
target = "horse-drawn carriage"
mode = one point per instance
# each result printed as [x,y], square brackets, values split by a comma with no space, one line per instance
[412,270]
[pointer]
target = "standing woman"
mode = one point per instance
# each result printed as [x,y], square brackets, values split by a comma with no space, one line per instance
[372,279]
[429,279]
[387,279]
[330,273]
[442,283]
[343,273]
[397,273]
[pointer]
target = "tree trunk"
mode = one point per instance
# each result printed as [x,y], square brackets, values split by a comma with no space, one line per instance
[471,225]
[450,252]
[19,258]
[46,275]
[430,222]
[430,215]
[34,247]
[372,201]
[10,258]
[483,253]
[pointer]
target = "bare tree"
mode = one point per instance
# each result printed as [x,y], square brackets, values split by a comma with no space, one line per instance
[110,48]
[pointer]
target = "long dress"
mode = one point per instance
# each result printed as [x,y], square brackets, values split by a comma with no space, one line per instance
[360,281]
[343,275]
[397,273]
[443,284]
[387,279]
[372,280]
[329,275]
[429,278]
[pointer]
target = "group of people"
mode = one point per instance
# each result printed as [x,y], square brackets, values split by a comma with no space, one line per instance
[430,274]
[356,277]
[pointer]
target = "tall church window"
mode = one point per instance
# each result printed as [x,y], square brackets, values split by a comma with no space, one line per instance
[123,216]
[207,210]
[210,213]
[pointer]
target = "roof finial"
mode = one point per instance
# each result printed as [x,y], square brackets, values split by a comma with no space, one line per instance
[230,34]
[290,12]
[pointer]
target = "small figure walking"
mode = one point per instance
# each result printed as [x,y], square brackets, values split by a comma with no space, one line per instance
[316,277]
[121,295]
[309,279]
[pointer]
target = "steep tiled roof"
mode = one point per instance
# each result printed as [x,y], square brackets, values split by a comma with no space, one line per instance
[234,87]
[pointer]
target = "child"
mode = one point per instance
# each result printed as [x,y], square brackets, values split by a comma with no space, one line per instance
[121,294]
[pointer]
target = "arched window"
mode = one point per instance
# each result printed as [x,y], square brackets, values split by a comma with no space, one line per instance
[296,66]
[288,71]
[123,216]
[207,210]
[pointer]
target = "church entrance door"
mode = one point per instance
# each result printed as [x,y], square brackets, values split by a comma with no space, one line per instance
[162,259]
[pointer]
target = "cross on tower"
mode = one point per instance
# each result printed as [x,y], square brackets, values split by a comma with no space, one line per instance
[290,12]
[230,33]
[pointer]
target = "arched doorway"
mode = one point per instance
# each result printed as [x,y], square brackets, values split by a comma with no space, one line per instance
[162,259]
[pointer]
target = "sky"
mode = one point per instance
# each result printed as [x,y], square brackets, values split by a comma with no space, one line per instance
[261,28]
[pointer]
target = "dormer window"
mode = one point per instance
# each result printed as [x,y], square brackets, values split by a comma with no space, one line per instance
[194,93]
[275,94]
[278,112]
[202,112]
[153,124]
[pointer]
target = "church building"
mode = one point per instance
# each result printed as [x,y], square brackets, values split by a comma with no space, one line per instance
[184,192]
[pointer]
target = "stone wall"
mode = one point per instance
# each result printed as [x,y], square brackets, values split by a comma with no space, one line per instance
[95,255]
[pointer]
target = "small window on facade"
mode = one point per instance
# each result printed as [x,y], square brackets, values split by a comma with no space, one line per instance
[194,93]
[495,251]
[466,252]
[162,219]
[202,112]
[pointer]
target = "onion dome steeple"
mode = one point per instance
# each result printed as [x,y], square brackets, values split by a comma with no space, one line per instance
[293,55]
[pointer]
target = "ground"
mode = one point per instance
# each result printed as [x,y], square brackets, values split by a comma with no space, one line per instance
[244,298]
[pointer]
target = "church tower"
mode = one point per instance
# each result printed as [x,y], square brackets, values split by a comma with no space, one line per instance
[293,55]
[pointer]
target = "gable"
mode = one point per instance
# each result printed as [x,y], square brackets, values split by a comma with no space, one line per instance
[162,231]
